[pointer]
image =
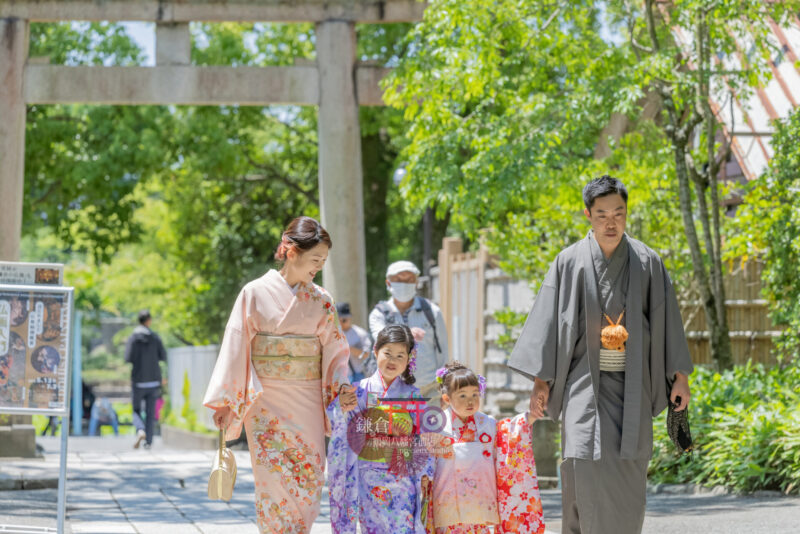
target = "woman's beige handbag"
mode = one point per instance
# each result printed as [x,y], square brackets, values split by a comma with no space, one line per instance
[223,473]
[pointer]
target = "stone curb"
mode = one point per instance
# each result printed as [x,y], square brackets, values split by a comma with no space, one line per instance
[12,483]
[697,489]
[180,438]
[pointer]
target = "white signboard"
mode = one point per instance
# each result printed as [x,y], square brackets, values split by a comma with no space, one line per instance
[35,347]
[29,274]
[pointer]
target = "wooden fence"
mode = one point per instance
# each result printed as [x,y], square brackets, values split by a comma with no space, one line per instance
[460,290]
[751,331]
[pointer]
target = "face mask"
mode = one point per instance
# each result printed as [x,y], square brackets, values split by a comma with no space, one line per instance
[403,292]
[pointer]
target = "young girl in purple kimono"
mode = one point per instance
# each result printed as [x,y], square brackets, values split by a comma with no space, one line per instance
[378,470]
[485,471]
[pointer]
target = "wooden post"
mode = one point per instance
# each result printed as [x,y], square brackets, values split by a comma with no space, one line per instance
[13,55]
[450,247]
[483,258]
[340,176]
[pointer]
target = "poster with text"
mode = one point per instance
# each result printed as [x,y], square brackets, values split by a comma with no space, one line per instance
[34,348]
[19,273]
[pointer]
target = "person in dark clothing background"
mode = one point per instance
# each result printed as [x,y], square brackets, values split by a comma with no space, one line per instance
[145,350]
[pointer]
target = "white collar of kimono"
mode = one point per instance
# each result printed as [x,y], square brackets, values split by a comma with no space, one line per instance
[375,385]
[276,275]
[455,422]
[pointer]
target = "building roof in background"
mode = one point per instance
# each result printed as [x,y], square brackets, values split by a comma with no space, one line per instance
[749,118]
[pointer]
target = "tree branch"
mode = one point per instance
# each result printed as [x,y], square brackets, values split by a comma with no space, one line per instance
[287,181]
[651,25]
[43,197]
[725,153]
[551,18]
[695,173]
[640,48]
[182,339]
[690,124]
[292,128]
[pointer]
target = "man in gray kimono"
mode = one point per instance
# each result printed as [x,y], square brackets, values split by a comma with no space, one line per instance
[606,396]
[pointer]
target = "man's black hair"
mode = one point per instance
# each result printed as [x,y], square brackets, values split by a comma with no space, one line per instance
[602,187]
[144,316]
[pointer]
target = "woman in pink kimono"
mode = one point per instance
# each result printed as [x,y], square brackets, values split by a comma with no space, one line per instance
[485,471]
[283,359]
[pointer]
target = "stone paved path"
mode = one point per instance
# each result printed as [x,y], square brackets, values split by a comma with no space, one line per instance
[115,489]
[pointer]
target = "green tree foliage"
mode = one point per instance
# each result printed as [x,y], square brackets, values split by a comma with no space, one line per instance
[769,227]
[244,173]
[510,103]
[82,163]
[689,53]
[502,105]
[507,105]
[179,207]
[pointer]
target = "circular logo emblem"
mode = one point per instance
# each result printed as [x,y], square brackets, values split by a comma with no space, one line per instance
[433,419]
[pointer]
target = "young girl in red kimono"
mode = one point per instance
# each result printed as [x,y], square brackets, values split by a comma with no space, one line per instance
[485,471]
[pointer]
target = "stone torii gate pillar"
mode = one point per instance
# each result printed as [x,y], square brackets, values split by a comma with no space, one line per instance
[17,433]
[13,55]
[340,175]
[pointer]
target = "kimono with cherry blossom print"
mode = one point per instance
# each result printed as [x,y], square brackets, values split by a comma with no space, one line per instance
[486,476]
[281,362]
[387,495]
[518,501]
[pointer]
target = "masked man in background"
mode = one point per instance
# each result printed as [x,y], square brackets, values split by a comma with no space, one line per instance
[422,316]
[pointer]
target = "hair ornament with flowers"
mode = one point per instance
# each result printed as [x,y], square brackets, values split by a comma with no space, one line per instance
[285,246]
[412,359]
[442,373]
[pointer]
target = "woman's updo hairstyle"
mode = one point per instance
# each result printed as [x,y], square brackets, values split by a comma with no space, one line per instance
[458,376]
[398,333]
[302,234]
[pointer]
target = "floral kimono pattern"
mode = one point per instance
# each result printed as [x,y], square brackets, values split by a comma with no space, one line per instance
[383,492]
[289,346]
[518,499]
[486,475]
[464,485]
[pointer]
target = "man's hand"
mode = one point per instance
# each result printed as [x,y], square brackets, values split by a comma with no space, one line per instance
[223,417]
[347,397]
[539,398]
[680,388]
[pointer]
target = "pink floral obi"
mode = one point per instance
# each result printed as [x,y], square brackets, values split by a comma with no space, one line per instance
[287,357]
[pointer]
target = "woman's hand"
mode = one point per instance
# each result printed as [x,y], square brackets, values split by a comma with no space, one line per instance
[223,417]
[347,397]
